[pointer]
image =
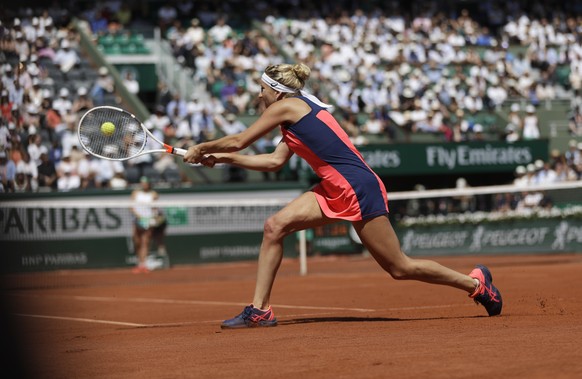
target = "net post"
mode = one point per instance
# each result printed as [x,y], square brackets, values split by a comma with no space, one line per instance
[302,253]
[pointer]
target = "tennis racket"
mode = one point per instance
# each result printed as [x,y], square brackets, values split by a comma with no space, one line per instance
[115,134]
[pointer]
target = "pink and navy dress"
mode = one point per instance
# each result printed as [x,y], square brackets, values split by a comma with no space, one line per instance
[349,189]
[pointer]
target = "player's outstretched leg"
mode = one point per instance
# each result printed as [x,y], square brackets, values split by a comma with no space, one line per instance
[381,241]
[251,317]
[486,293]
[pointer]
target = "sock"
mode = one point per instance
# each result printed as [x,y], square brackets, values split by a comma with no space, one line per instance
[477,286]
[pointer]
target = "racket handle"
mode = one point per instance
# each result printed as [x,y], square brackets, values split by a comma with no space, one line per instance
[179,151]
[175,150]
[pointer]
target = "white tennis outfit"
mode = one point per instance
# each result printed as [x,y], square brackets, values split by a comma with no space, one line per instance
[146,210]
[530,128]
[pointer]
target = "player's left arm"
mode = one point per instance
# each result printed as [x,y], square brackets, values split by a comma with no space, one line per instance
[261,162]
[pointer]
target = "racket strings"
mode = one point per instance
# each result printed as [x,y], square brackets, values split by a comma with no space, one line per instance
[127,139]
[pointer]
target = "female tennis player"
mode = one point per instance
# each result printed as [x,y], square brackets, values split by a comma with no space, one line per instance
[144,222]
[348,190]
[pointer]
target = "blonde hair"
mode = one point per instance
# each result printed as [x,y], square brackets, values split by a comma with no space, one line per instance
[291,75]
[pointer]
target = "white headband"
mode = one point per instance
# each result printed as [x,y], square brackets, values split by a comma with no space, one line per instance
[276,85]
[283,88]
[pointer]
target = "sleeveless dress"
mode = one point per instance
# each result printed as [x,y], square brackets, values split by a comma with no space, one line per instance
[349,189]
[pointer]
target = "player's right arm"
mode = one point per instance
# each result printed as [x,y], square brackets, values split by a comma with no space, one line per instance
[283,112]
[261,162]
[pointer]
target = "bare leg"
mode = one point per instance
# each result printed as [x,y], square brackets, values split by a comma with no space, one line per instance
[301,213]
[380,239]
[143,246]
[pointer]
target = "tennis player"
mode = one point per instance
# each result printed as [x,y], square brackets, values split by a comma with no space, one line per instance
[348,190]
[144,222]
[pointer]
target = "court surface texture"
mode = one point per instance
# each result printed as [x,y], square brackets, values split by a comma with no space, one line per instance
[345,319]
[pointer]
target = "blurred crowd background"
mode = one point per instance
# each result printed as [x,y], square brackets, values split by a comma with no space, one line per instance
[396,72]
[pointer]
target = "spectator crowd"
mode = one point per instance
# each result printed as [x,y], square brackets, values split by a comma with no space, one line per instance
[391,72]
[39,149]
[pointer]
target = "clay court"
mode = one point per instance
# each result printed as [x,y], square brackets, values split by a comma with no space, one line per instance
[345,319]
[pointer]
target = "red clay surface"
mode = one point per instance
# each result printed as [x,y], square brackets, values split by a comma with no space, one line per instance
[345,319]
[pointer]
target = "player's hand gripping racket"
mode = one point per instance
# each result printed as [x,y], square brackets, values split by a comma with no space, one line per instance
[112,133]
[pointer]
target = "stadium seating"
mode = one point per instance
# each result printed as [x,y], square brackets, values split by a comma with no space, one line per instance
[281,39]
[111,44]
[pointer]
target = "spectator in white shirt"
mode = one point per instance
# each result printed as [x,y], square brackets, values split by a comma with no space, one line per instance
[220,31]
[188,127]
[524,83]
[4,137]
[194,35]
[573,155]
[373,125]
[36,148]
[29,169]
[545,173]
[564,173]
[230,124]
[545,91]
[63,104]
[68,178]
[473,102]
[21,45]
[131,82]
[177,107]
[531,129]
[35,93]
[66,58]
[118,182]
[158,122]
[241,99]
[530,174]
[511,133]
[106,170]
[103,85]
[69,139]
[520,65]
[496,93]
[87,166]
[529,201]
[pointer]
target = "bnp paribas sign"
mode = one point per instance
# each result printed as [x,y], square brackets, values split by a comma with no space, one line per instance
[431,158]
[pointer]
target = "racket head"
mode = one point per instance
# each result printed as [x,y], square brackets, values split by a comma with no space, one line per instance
[127,140]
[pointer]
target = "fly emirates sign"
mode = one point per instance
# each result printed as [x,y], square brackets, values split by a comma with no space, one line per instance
[439,158]
[464,155]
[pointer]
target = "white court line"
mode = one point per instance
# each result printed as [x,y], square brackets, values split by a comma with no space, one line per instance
[83,320]
[287,317]
[421,307]
[225,303]
[202,302]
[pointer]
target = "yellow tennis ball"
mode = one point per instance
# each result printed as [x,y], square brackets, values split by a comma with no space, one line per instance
[107,128]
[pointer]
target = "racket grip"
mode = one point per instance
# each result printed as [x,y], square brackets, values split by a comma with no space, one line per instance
[179,151]
[175,150]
